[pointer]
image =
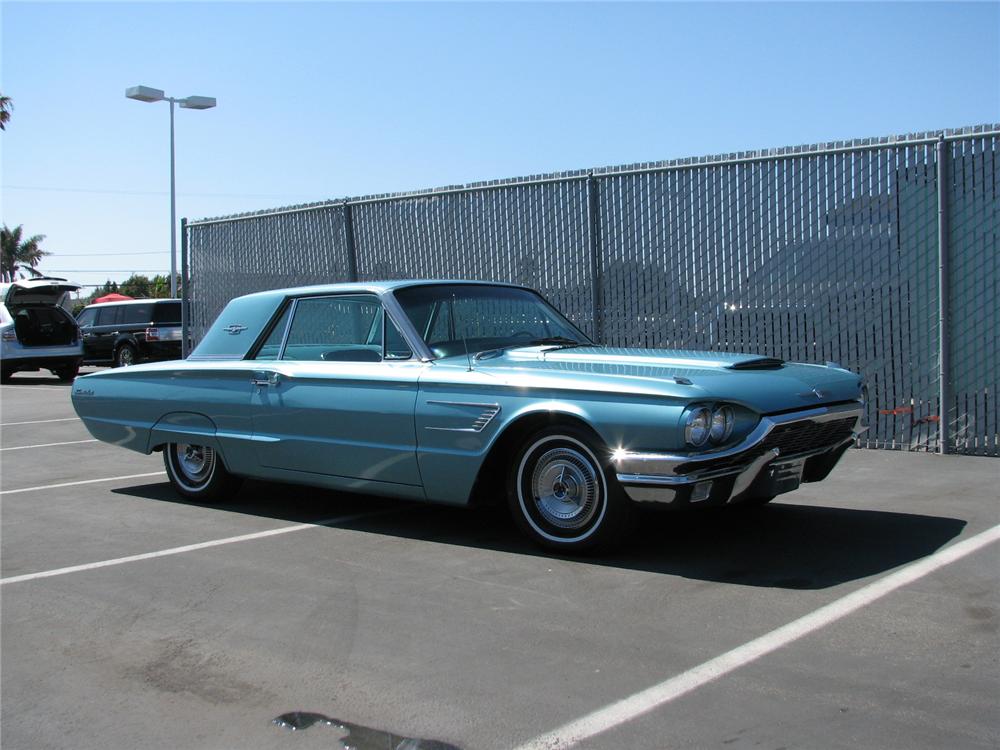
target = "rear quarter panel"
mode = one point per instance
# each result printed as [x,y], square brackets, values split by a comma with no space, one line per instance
[145,406]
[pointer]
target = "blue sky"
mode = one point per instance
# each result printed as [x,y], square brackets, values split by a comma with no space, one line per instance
[325,100]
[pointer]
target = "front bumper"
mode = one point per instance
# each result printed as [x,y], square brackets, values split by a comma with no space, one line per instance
[781,452]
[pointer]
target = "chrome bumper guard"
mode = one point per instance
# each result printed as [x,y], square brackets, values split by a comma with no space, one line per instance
[688,478]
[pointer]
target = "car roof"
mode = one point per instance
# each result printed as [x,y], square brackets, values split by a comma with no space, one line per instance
[375,287]
[146,300]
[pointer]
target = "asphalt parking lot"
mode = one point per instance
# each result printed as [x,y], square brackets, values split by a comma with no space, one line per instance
[858,612]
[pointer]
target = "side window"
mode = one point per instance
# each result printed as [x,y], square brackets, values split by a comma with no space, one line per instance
[271,347]
[87,317]
[137,314]
[108,316]
[395,345]
[334,329]
[167,313]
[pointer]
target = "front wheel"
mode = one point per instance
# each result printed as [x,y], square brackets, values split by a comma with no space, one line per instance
[197,472]
[563,493]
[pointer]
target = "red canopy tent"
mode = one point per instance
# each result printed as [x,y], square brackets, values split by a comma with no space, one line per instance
[113,297]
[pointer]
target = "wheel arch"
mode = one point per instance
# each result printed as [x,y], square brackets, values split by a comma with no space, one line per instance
[185,427]
[489,485]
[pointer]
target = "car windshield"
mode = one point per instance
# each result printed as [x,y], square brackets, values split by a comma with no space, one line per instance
[455,318]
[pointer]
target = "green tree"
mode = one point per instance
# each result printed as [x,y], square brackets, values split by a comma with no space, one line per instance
[143,287]
[136,285]
[6,107]
[17,252]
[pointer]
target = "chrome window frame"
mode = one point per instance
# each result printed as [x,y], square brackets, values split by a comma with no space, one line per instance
[380,299]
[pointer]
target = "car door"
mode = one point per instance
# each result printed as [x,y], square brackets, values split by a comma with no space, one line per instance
[335,392]
[102,335]
[86,321]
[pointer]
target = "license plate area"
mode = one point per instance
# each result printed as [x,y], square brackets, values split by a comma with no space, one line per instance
[785,476]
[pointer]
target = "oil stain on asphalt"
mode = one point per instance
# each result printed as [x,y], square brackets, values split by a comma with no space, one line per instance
[355,736]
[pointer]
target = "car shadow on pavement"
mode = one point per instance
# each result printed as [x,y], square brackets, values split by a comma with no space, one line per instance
[781,545]
[29,379]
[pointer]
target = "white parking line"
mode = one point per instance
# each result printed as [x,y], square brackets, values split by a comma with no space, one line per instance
[83,481]
[48,445]
[193,547]
[41,421]
[65,388]
[653,697]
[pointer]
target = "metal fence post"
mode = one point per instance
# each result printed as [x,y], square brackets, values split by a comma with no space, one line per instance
[185,291]
[944,301]
[594,233]
[352,257]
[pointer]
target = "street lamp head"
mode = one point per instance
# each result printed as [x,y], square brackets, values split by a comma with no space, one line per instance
[144,94]
[198,102]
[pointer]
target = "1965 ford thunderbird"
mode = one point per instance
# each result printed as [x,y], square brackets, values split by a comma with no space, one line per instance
[447,391]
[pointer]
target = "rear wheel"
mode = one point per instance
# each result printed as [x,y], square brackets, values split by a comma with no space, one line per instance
[66,374]
[197,472]
[563,495]
[125,356]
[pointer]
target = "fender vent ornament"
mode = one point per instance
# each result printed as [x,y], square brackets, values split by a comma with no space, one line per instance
[234,329]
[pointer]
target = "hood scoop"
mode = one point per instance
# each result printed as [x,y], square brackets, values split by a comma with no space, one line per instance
[761,363]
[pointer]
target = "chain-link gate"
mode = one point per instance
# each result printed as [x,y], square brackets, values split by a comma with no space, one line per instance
[833,252]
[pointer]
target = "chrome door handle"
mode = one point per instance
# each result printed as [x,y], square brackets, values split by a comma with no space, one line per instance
[265,377]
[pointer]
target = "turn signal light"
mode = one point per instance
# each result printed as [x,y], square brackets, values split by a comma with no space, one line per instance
[152,334]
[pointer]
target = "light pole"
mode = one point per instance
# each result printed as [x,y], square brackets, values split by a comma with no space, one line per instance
[147,94]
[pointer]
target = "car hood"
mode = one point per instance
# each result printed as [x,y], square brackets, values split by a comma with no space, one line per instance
[763,384]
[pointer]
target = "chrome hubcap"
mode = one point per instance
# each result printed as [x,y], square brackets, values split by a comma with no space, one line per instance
[125,357]
[565,487]
[195,461]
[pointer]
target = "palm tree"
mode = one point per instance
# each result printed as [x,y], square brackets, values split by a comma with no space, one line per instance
[6,106]
[16,252]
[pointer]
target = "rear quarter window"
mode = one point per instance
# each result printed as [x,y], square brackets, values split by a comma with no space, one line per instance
[167,312]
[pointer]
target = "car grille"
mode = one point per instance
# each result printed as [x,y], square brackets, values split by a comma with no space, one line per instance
[792,439]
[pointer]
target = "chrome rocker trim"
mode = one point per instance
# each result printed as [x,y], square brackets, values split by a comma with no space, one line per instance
[652,477]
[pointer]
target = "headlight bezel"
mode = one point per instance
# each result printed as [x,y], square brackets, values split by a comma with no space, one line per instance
[709,424]
[725,415]
[689,426]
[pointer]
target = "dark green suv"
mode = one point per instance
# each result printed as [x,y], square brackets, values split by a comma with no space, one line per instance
[126,333]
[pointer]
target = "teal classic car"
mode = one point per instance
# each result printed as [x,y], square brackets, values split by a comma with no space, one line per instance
[456,392]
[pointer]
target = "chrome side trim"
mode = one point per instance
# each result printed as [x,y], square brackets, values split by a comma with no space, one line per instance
[662,465]
[487,414]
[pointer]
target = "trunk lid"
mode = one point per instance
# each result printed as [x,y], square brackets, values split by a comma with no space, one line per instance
[37,291]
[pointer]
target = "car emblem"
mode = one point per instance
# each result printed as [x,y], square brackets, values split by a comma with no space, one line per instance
[234,329]
[815,392]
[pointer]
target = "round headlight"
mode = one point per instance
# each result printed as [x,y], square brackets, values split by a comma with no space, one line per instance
[699,423]
[722,424]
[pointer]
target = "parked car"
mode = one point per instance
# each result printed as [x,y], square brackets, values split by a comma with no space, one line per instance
[127,333]
[449,391]
[36,331]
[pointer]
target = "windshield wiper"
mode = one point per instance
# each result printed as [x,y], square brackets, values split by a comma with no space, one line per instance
[558,342]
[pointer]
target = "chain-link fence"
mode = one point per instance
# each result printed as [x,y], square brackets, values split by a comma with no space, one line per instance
[832,252]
